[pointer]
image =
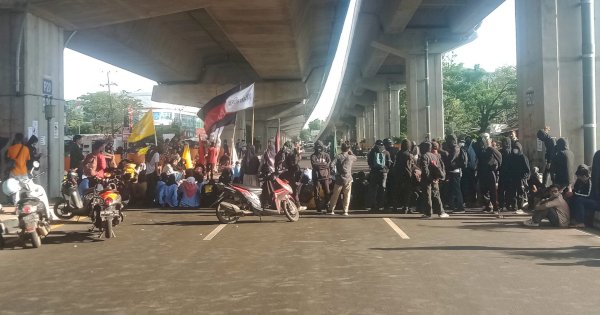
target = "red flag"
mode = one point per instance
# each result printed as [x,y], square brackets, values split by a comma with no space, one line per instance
[214,113]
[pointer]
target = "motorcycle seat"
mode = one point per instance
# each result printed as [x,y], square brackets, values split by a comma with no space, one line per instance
[254,189]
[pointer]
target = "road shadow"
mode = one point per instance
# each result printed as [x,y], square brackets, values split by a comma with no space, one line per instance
[587,256]
[53,238]
[179,223]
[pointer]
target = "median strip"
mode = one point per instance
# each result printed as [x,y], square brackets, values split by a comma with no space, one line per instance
[215,232]
[396,228]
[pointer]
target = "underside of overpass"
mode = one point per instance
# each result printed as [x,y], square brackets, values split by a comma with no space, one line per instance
[398,44]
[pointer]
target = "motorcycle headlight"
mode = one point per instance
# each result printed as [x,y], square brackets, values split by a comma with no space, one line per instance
[108,201]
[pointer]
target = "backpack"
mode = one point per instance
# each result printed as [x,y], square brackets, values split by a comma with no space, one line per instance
[463,159]
[379,161]
[435,170]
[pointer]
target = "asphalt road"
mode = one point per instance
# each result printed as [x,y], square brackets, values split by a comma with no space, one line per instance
[160,262]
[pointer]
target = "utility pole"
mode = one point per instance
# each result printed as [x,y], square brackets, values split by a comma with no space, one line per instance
[112,121]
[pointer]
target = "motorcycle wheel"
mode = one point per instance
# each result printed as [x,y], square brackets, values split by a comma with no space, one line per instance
[108,228]
[224,216]
[36,241]
[63,211]
[290,210]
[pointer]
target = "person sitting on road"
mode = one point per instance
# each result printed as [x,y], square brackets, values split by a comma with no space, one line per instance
[581,200]
[190,197]
[554,208]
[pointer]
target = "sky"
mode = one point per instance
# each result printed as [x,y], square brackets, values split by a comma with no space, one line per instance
[494,47]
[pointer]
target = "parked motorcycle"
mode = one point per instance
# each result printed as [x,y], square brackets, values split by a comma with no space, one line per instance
[32,207]
[71,203]
[236,201]
[106,205]
[102,202]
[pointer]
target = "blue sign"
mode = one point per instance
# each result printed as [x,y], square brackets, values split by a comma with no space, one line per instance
[47,87]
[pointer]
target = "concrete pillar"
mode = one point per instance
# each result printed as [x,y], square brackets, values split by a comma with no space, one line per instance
[383,114]
[360,127]
[549,73]
[369,125]
[415,91]
[31,54]
[394,89]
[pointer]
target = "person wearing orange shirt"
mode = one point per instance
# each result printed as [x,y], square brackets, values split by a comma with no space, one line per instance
[19,153]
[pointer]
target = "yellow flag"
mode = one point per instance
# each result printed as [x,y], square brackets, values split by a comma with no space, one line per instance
[143,150]
[144,128]
[187,156]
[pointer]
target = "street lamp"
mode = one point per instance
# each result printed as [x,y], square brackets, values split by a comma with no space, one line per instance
[49,114]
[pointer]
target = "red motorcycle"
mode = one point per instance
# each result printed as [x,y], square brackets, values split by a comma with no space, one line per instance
[236,201]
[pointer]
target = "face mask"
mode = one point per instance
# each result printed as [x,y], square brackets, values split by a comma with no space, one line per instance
[515,151]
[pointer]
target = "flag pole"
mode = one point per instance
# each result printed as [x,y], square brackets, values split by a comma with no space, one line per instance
[252,126]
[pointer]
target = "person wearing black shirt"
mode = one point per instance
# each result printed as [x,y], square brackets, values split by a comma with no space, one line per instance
[75,153]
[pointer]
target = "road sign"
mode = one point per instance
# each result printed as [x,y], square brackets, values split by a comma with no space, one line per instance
[47,86]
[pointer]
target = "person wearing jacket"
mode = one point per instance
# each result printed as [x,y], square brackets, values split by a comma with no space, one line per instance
[503,180]
[518,173]
[391,182]
[489,161]
[554,208]
[321,175]
[468,182]
[430,164]
[452,163]
[403,169]
[379,164]
[581,198]
[562,166]
[250,167]
[550,144]
[343,179]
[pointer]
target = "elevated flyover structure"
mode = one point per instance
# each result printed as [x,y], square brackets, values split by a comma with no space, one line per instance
[398,44]
[194,49]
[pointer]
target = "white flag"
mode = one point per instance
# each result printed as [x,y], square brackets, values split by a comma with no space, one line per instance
[240,100]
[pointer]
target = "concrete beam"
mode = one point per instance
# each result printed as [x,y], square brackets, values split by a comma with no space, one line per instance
[468,20]
[266,93]
[397,14]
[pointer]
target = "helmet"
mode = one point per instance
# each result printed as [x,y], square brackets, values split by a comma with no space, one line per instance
[11,186]
[387,142]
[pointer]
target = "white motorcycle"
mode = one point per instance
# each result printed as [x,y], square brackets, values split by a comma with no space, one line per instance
[32,205]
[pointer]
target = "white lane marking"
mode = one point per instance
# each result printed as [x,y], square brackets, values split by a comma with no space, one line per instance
[396,228]
[215,232]
[590,234]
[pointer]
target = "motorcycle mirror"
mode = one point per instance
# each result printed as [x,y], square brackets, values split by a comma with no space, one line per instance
[36,164]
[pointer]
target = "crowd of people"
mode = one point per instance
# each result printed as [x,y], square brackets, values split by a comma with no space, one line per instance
[442,177]
[431,178]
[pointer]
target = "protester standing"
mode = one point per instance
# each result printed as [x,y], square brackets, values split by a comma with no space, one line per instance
[250,166]
[489,161]
[454,161]
[403,169]
[211,160]
[343,178]
[320,175]
[432,171]
[518,173]
[391,199]
[379,162]
[562,166]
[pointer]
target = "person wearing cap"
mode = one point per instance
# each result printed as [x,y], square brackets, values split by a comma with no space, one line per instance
[190,193]
[320,161]
[379,164]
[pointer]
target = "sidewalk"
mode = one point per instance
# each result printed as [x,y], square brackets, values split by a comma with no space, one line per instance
[9,219]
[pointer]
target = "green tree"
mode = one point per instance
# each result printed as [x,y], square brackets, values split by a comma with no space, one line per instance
[305,134]
[474,98]
[315,124]
[98,114]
